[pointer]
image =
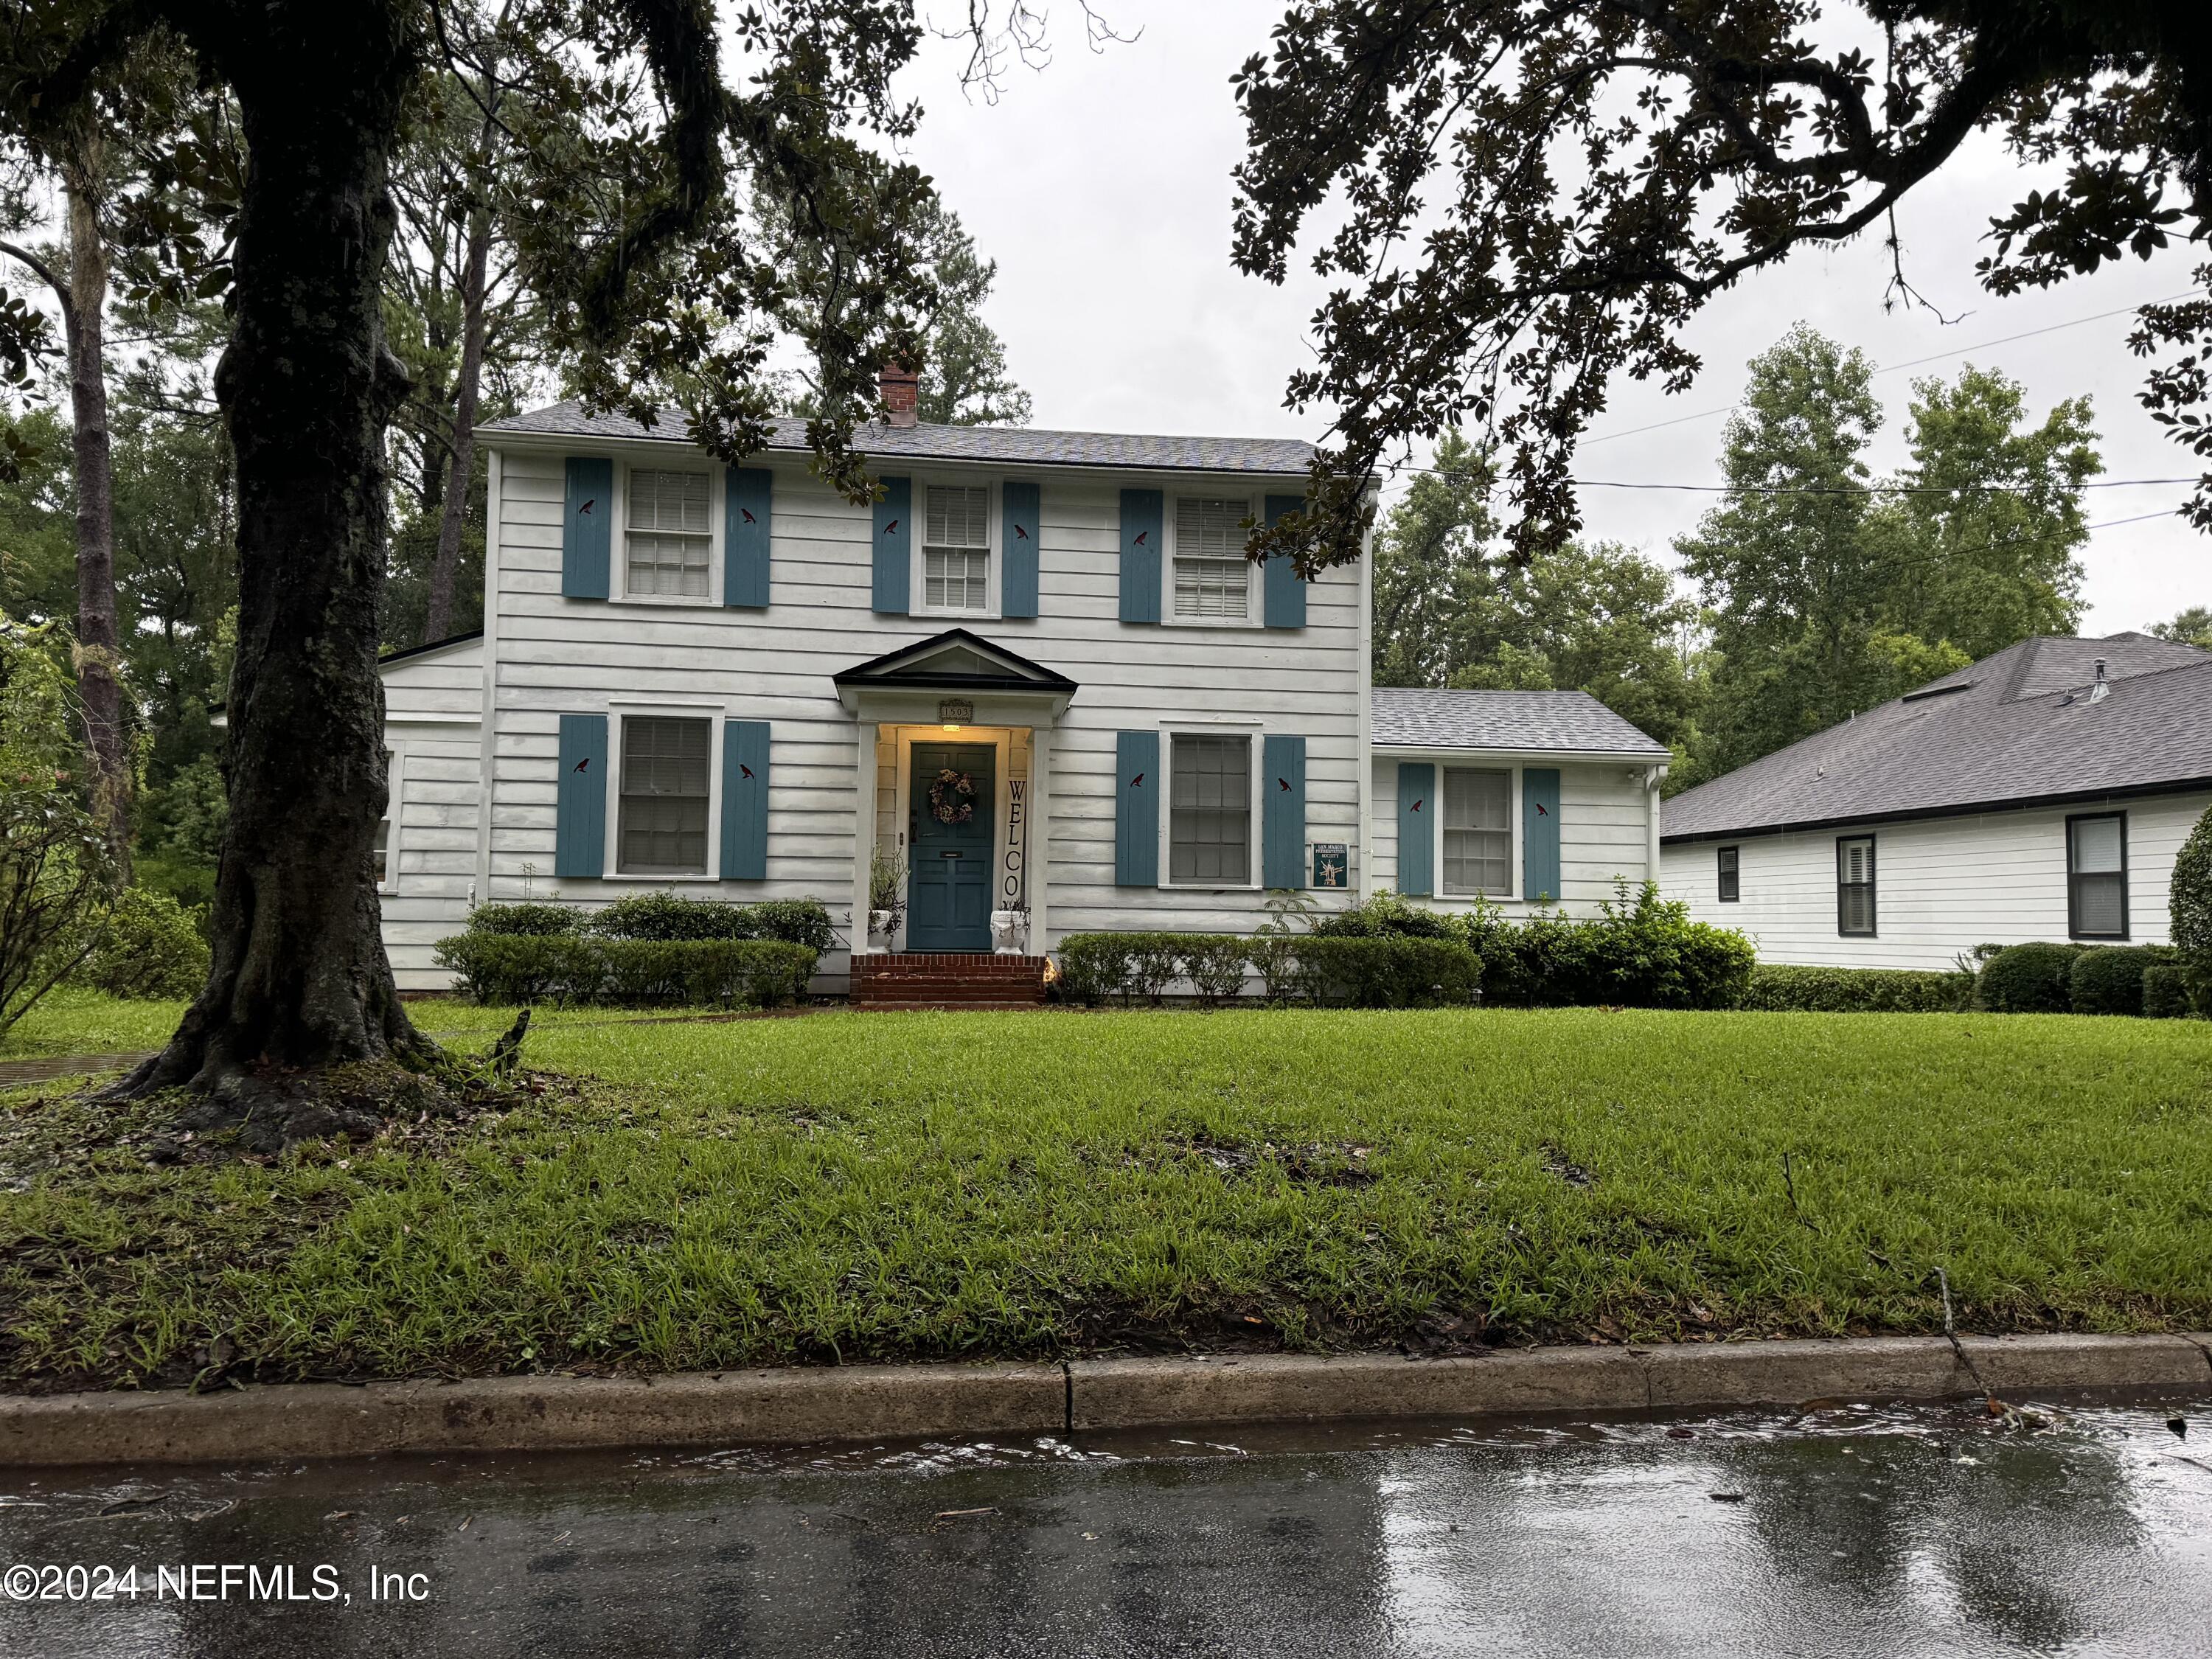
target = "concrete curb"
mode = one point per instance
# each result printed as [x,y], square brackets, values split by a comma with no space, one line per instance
[872,1403]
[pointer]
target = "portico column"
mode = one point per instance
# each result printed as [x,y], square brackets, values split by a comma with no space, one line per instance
[1036,843]
[864,830]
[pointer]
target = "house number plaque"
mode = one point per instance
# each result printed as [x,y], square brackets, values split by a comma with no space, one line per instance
[956,711]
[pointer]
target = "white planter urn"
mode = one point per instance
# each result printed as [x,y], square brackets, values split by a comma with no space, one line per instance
[1010,932]
[881,926]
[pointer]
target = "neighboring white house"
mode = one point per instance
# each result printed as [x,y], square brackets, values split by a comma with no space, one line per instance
[2041,793]
[1040,674]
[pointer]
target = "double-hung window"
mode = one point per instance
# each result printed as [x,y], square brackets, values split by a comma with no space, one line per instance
[666,774]
[2097,876]
[382,852]
[667,542]
[1213,577]
[1855,884]
[1210,811]
[1730,871]
[1478,830]
[956,548]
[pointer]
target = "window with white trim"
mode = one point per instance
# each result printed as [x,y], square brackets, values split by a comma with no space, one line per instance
[666,775]
[668,540]
[381,853]
[1855,884]
[1731,871]
[2097,876]
[1210,811]
[1478,830]
[1213,577]
[956,548]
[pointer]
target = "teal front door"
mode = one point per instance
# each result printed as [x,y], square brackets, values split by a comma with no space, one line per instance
[949,846]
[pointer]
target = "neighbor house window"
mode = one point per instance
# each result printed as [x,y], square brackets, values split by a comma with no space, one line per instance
[955,549]
[1855,884]
[1729,890]
[665,776]
[1213,577]
[667,541]
[381,853]
[1478,826]
[1210,811]
[2097,876]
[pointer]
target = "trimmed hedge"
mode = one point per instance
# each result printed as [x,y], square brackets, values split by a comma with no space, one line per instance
[1373,971]
[2030,979]
[563,968]
[664,917]
[2166,993]
[2109,980]
[1388,971]
[525,920]
[1780,987]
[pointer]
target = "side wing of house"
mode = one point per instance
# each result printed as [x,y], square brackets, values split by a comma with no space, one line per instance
[433,726]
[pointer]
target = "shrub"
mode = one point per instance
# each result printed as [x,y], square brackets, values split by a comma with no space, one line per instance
[2166,993]
[1643,952]
[2189,906]
[1155,959]
[1274,958]
[2109,980]
[1093,967]
[1214,964]
[152,948]
[511,967]
[665,916]
[1857,990]
[2030,979]
[525,920]
[1386,916]
[1387,970]
[793,921]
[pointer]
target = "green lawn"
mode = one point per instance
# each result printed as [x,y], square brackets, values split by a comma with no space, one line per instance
[875,1185]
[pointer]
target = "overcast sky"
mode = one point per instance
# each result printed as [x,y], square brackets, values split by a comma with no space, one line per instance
[1102,187]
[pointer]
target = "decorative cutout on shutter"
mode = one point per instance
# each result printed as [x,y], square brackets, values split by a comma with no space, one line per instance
[1138,786]
[1417,828]
[587,530]
[1283,812]
[745,800]
[894,547]
[580,820]
[1540,834]
[1143,513]
[747,500]
[1020,508]
[1284,592]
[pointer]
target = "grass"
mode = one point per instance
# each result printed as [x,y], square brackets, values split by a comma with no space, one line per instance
[872,1186]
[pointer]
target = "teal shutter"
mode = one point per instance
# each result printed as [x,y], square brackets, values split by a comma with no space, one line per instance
[587,530]
[1283,812]
[894,540]
[580,818]
[745,800]
[1019,504]
[1417,828]
[1540,833]
[1137,791]
[1285,594]
[1143,512]
[745,519]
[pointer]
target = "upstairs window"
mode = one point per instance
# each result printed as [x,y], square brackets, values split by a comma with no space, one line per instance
[1210,812]
[1729,863]
[1855,884]
[666,540]
[1213,577]
[2097,876]
[955,549]
[1478,828]
[665,773]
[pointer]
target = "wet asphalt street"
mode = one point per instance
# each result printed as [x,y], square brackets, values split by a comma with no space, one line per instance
[1845,1532]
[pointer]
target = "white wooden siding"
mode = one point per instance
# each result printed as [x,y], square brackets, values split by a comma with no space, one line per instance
[1604,829]
[1941,885]
[432,704]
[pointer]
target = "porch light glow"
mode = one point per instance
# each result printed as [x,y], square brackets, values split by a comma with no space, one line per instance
[950,726]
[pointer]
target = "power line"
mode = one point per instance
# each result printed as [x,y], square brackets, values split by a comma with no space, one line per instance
[1858,490]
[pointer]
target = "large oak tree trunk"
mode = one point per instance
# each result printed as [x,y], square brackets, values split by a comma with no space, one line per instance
[440,620]
[307,385]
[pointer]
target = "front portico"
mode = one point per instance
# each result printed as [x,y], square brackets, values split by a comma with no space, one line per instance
[953,783]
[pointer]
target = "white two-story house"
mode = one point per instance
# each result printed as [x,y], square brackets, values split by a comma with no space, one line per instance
[1040,675]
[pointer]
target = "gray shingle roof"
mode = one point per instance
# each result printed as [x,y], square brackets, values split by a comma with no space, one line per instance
[1416,718]
[2017,727]
[1006,446]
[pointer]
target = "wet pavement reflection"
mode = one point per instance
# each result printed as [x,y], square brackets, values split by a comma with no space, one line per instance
[1828,1532]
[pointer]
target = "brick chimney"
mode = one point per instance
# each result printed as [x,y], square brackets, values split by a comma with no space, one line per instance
[901,389]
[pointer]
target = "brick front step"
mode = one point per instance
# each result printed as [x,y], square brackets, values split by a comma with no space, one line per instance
[947,979]
[946,1005]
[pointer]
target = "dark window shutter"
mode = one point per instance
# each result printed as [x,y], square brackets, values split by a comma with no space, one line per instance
[580,822]
[747,499]
[1020,510]
[1285,594]
[894,545]
[587,530]
[1143,513]
[1540,834]
[1137,793]
[1283,812]
[1417,828]
[745,800]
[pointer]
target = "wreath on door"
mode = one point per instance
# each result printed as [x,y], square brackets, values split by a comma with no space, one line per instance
[953,797]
